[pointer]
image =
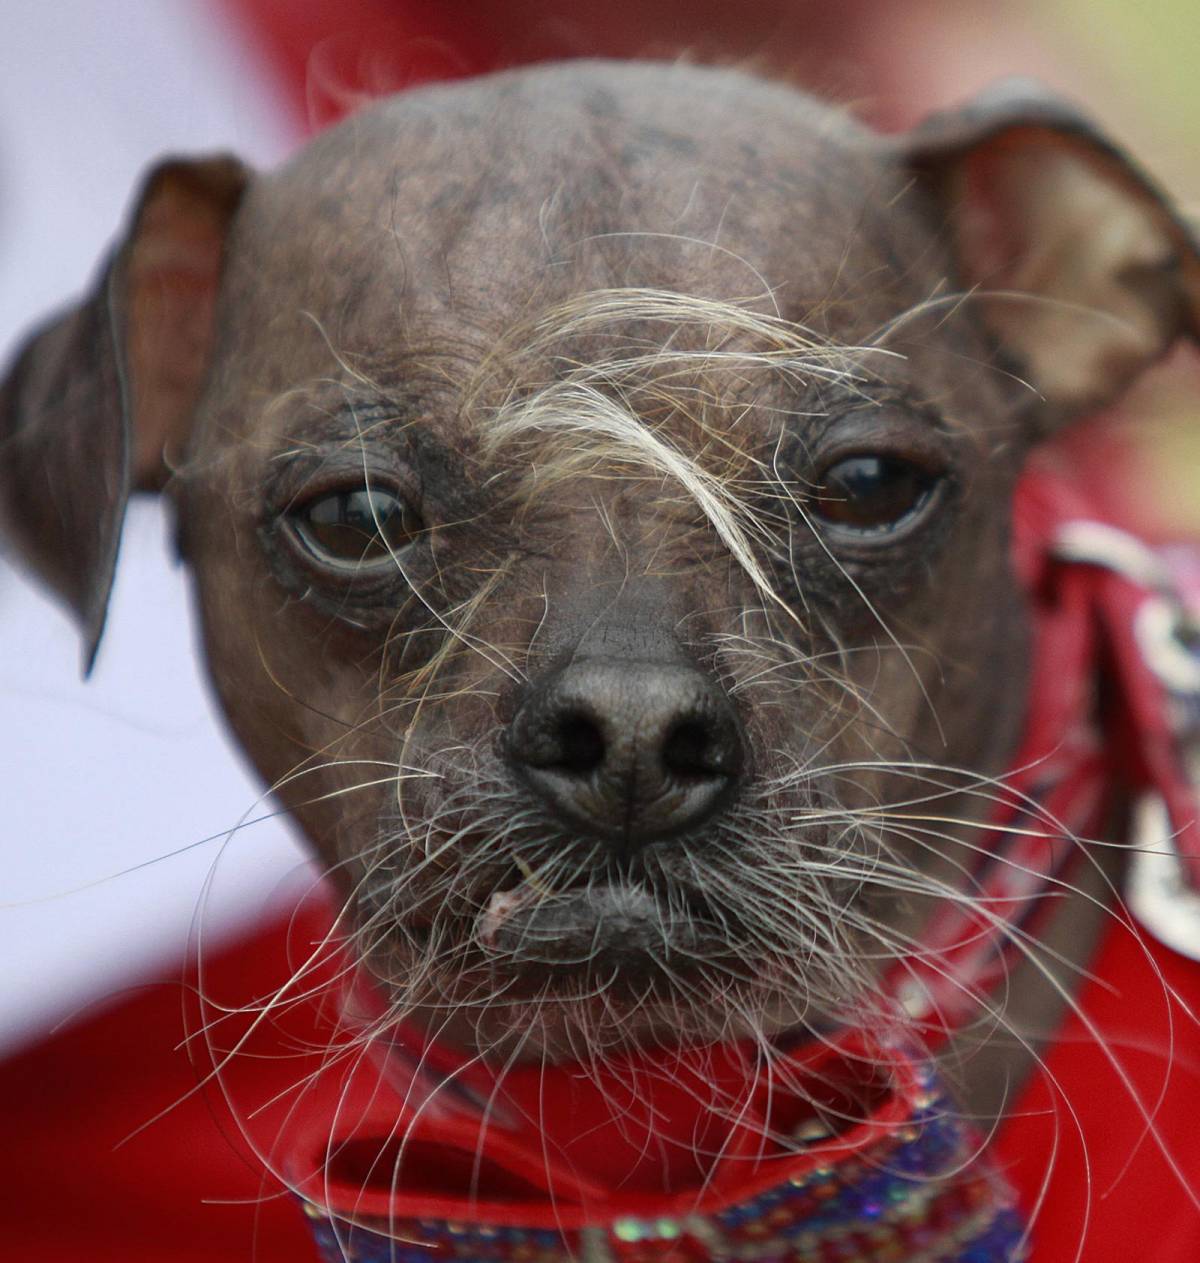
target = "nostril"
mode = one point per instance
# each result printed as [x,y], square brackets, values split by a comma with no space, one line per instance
[632,752]
[581,744]
[689,751]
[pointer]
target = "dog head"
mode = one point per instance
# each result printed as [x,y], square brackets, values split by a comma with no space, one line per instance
[597,483]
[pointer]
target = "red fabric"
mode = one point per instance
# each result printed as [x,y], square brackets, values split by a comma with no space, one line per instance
[330,55]
[81,1181]
[89,1169]
[655,1140]
[1106,1155]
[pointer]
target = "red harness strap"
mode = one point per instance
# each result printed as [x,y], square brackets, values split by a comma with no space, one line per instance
[1112,712]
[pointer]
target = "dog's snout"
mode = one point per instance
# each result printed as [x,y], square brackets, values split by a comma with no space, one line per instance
[631,751]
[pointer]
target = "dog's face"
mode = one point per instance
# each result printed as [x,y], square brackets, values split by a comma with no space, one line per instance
[597,482]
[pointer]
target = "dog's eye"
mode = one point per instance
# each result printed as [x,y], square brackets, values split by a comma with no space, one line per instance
[359,527]
[872,494]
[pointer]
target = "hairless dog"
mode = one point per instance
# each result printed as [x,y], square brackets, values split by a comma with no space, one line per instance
[597,482]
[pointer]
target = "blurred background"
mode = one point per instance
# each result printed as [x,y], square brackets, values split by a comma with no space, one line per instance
[128,824]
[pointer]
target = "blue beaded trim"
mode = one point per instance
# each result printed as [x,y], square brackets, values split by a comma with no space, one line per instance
[910,1200]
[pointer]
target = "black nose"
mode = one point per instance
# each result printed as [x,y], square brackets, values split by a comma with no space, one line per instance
[630,751]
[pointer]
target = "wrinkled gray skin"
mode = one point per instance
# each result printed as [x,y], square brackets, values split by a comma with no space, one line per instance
[365,325]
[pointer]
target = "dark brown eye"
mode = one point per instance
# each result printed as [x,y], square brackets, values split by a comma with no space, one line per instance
[872,494]
[361,526]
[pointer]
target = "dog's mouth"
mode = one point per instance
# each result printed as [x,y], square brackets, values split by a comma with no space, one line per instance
[619,956]
[528,933]
[619,932]
[576,922]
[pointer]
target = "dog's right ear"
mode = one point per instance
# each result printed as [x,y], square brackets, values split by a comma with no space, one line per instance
[100,399]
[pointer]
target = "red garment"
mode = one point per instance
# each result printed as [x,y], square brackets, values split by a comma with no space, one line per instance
[81,1181]
[1140,1208]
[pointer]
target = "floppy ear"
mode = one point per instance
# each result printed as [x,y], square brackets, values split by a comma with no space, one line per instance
[99,400]
[1083,270]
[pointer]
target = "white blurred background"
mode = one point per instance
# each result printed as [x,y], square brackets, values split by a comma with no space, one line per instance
[101,782]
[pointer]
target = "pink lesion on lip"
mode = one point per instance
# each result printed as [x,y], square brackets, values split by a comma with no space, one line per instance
[500,909]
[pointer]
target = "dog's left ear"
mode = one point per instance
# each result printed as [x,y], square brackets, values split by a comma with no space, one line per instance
[100,400]
[1078,263]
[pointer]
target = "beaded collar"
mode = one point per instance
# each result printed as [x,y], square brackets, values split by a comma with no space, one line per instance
[843,1150]
[905,1183]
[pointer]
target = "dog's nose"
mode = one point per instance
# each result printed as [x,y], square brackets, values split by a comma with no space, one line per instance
[632,751]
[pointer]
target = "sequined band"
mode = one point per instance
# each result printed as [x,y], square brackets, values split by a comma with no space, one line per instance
[920,1195]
